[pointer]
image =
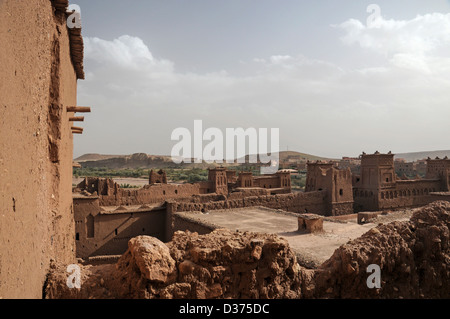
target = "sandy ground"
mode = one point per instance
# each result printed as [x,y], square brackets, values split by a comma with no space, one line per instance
[311,249]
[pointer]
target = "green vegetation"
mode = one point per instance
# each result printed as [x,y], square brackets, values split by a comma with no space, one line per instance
[298,181]
[110,173]
[193,175]
[187,175]
[175,175]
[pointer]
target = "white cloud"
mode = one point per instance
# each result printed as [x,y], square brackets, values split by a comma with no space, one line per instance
[320,107]
[421,44]
[125,52]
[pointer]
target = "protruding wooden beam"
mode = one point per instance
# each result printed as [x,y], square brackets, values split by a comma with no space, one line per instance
[77,130]
[76,119]
[79,109]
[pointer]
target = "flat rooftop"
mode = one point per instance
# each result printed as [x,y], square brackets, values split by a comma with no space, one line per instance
[312,249]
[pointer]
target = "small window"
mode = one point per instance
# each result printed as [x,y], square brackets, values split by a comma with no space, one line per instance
[90,226]
[341,192]
[77,237]
[115,232]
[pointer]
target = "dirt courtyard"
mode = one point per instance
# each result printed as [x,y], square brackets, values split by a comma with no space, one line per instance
[311,249]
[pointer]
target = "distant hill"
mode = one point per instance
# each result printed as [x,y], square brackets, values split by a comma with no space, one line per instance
[134,161]
[416,156]
[301,156]
[141,160]
[96,157]
[296,156]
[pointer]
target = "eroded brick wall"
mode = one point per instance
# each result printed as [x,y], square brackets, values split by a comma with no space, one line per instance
[37,82]
[312,202]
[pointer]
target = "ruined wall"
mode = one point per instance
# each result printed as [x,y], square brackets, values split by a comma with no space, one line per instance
[157,177]
[269,181]
[440,169]
[245,179]
[85,209]
[338,185]
[377,171]
[202,198]
[408,193]
[241,193]
[342,192]
[378,188]
[37,82]
[218,179]
[312,202]
[365,200]
[340,209]
[107,233]
[281,179]
[184,223]
[413,257]
[150,194]
[221,265]
[110,194]
[231,177]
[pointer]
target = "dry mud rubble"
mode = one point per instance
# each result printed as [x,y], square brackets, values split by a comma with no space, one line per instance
[413,256]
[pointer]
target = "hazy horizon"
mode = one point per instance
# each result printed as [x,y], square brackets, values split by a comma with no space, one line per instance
[333,84]
[316,155]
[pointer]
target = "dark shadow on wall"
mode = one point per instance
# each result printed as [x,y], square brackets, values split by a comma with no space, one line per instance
[117,229]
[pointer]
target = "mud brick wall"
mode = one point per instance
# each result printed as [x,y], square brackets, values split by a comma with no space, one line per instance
[150,194]
[110,194]
[340,209]
[312,202]
[107,233]
[38,80]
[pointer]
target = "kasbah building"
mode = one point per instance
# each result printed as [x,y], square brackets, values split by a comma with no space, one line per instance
[44,221]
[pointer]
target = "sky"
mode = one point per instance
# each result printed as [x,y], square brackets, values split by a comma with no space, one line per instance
[336,79]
